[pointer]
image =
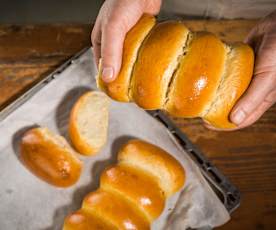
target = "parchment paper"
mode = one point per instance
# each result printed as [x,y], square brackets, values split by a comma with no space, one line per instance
[27,203]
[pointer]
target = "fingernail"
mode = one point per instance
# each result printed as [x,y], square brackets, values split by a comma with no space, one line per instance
[107,74]
[238,116]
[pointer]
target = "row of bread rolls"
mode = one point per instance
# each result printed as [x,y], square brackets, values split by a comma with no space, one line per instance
[132,193]
[50,157]
[166,66]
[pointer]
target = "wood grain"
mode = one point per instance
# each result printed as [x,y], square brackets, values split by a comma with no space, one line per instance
[247,157]
[28,53]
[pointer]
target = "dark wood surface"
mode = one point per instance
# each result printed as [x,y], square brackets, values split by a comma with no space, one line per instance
[247,157]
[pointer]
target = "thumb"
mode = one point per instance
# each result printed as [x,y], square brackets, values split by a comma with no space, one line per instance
[261,86]
[113,36]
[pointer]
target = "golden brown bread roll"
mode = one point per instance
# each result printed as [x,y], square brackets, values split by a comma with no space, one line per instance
[119,88]
[151,76]
[155,161]
[132,193]
[186,74]
[80,220]
[88,123]
[141,188]
[202,65]
[50,157]
[235,81]
[114,209]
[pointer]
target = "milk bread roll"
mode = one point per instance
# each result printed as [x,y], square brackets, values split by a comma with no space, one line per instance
[81,220]
[49,157]
[142,189]
[154,160]
[115,210]
[198,76]
[234,82]
[119,88]
[156,62]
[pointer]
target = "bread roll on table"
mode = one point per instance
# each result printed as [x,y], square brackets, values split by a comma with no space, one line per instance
[186,74]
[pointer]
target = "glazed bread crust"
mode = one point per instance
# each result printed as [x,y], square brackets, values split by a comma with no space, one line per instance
[198,76]
[157,60]
[186,74]
[114,210]
[142,189]
[235,80]
[156,161]
[119,88]
[81,220]
[49,157]
[132,193]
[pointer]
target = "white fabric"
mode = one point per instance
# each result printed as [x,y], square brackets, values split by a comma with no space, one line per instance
[218,9]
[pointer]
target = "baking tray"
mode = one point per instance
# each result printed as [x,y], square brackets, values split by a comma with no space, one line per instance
[225,190]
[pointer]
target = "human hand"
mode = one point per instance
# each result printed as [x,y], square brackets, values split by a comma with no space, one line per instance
[261,94]
[115,19]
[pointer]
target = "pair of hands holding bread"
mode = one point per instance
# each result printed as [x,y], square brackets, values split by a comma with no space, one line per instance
[117,17]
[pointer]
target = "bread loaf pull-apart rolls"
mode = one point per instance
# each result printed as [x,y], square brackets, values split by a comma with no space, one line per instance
[132,193]
[186,74]
[50,157]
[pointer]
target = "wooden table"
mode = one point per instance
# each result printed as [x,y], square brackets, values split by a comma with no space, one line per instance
[247,157]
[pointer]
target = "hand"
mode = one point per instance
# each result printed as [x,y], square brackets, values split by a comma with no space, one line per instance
[115,19]
[261,94]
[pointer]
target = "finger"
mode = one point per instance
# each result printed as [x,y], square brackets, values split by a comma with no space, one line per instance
[97,53]
[255,38]
[264,106]
[251,36]
[261,85]
[113,35]
[259,111]
[96,41]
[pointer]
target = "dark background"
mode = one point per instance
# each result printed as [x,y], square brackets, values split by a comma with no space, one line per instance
[85,11]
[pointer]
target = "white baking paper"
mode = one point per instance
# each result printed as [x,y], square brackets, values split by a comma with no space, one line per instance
[27,203]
